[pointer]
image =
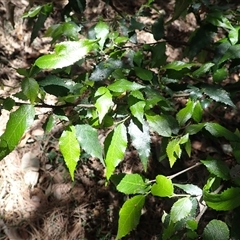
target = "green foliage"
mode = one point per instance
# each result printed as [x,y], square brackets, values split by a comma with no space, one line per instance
[133,92]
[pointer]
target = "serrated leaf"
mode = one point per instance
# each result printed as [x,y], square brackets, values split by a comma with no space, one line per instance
[159,124]
[180,209]
[163,187]
[70,149]
[219,131]
[132,184]
[30,89]
[141,141]
[190,189]
[116,149]
[173,151]
[202,70]
[185,113]
[87,137]
[101,29]
[216,229]
[66,53]
[217,167]
[19,121]
[104,102]
[224,201]
[129,215]
[137,110]
[143,74]
[218,95]
[123,85]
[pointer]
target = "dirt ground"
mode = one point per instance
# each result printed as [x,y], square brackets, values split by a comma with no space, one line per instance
[57,208]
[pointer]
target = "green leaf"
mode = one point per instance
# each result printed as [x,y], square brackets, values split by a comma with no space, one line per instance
[101,29]
[163,187]
[104,102]
[116,149]
[180,209]
[232,52]
[159,124]
[190,189]
[225,201]
[70,149]
[137,110]
[129,215]
[202,70]
[141,141]
[173,151]
[216,229]
[30,89]
[218,19]
[87,137]
[197,112]
[49,123]
[132,184]
[220,74]
[178,65]
[143,74]
[123,85]
[194,128]
[233,35]
[158,54]
[19,121]
[158,29]
[8,103]
[186,113]
[66,53]
[32,12]
[218,95]
[188,147]
[217,167]
[219,131]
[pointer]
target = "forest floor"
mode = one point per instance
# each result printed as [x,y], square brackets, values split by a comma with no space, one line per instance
[58,208]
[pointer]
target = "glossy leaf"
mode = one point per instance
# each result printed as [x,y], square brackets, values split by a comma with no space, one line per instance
[216,229]
[19,121]
[202,70]
[186,113]
[197,112]
[220,74]
[194,128]
[66,53]
[141,141]
[163,187]
[101,30]
[87,137]
[30,89]
[190,189]
[159,124]
[70,149]
[123,85]
[180,209]
[104,102]
[217,167]
[144,74]
[178,65]
[137,110]
[116,149]
[173,151]
[132,184]
[129,215]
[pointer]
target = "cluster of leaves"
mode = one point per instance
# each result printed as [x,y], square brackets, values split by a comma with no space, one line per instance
[130,92]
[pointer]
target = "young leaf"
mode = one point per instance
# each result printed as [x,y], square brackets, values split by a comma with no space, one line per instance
[129,215]
[132,184]
[87,137]
[123,85]
[163,187]
[116,149]
[202,70]
[197,112]
[186,113]
[101,30]
[159,124]
[180,209]
[190,189]
[218,95]
[173,151]
[66,53]
[104,102]
[19,121]
[141,141]
[30,89]
[178,65]
[137,110]
[216,229]
[217,167]
[70,149]
[224,201]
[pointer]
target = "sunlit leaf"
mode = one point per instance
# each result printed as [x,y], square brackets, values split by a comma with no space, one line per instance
[30,89]
[129,215]
[123,85]
[101,30]
[163,187]
[190,189]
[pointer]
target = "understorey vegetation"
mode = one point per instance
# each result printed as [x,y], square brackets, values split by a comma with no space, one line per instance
[114,93]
